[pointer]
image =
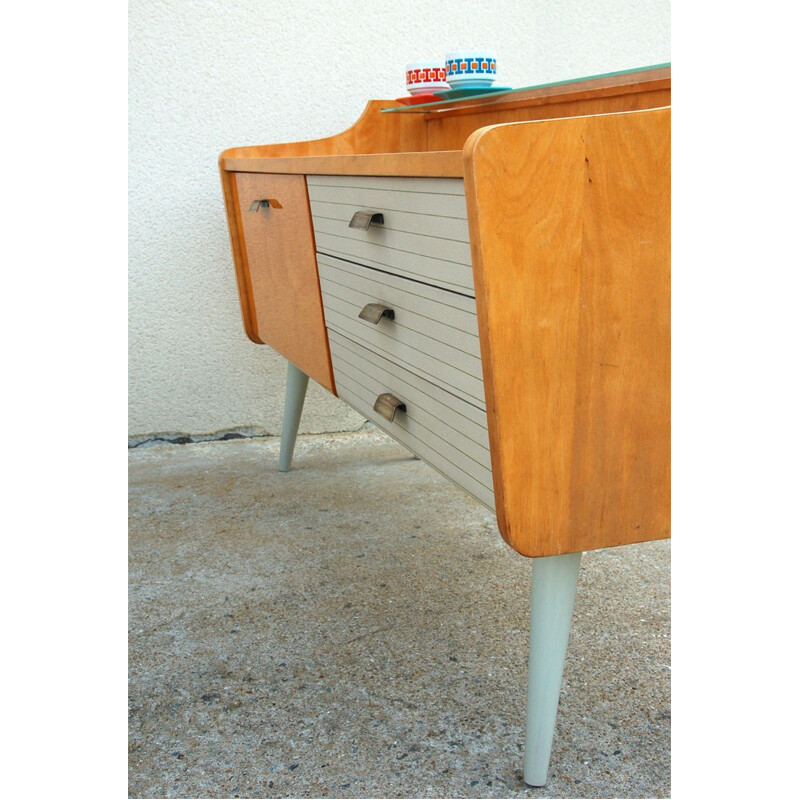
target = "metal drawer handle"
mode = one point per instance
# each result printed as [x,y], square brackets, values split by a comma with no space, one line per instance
[256,204]
[387,404]
[374,312]
[363,219]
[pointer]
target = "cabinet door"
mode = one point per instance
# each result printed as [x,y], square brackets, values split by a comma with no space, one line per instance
[280,270]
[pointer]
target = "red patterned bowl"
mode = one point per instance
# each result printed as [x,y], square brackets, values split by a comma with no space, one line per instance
[424,77]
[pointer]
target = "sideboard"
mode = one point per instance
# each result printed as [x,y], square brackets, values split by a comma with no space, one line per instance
[487,279]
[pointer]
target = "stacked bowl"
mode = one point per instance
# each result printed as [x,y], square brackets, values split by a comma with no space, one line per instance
[471,69]
[461,73]
[426,77]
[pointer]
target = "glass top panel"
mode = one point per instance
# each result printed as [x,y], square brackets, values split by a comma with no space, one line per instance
[449,104]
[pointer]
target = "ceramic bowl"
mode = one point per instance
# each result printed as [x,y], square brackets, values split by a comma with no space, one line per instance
[424,77]
[467,69]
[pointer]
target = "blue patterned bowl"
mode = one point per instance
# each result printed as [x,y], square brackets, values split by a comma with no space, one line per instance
[467,69]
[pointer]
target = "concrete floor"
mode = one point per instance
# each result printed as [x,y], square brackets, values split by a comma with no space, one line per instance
[358,628]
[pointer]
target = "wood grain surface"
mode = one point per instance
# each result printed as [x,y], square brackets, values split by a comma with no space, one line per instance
[279,268]
[570,232]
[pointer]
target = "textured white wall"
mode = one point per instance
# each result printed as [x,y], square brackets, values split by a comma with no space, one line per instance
[205,75]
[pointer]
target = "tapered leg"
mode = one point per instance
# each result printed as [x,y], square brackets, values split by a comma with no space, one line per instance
[296,385]
[554,582]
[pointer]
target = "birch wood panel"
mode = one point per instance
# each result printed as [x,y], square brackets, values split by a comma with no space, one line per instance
[573,296]
[279,264]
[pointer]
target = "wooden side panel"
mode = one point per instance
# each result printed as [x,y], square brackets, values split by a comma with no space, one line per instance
[235,230]
[280,271]
[570,228]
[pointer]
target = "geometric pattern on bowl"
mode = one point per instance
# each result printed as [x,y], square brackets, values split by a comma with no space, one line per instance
[471,67]
[425,77]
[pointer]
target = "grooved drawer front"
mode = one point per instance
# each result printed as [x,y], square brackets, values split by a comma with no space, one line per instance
[441,429]
[434,332]
[424,235]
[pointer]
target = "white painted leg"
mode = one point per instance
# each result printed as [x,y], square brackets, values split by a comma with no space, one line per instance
[296,385]
[554,582]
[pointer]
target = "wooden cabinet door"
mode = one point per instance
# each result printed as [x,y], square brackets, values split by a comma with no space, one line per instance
[280,271]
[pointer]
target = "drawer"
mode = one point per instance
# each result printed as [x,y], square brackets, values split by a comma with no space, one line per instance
[433,333]
[443,430]
[424,234]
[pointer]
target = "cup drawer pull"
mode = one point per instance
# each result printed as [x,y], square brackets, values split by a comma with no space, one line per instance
[374,312]
[387,404]
[363,219]
[266,204]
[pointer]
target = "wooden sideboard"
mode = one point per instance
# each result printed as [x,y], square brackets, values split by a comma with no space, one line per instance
[488,281]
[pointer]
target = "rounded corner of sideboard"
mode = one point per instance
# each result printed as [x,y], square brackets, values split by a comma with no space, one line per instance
[518,544]
[475,140]
[252,334]
[227,153]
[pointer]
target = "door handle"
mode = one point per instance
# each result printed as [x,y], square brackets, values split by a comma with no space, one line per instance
[266,203]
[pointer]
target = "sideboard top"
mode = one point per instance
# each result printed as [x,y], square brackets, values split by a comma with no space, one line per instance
[428,139]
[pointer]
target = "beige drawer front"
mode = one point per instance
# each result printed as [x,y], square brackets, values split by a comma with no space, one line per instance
[441,429]
[424,235]
[434,333]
